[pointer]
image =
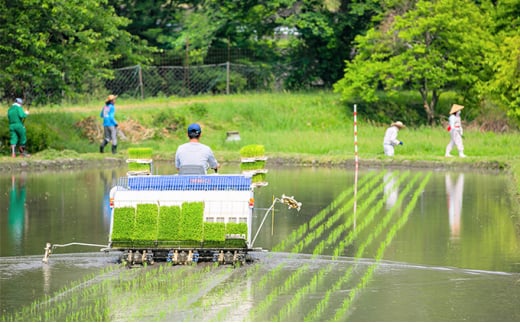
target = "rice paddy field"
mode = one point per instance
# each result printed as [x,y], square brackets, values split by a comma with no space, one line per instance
[400,245]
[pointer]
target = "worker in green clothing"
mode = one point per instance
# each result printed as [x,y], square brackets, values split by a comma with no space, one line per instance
[16,116]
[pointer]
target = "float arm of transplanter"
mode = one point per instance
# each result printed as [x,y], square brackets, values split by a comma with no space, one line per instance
[49,247]
[287,200]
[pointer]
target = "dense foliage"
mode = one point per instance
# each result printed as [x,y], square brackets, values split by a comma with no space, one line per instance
[53,51]
[52,48]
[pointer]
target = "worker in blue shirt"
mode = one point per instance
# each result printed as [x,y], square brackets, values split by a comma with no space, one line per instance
[109,124]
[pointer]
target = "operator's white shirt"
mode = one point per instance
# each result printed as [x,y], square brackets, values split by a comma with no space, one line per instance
[195,153]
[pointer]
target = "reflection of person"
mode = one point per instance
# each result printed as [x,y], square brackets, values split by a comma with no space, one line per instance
[454,194]
[16,212]
[391,190]
[109,124]
[390,140]
[194,153]
[455,129]
[16,116]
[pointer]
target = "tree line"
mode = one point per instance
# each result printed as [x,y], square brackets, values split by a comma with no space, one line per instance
[51,50]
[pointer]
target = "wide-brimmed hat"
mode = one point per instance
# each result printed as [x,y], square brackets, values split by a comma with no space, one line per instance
[455,108]
[111,97]
[398,124]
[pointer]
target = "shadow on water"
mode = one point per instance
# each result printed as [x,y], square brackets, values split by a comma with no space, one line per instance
[400,246]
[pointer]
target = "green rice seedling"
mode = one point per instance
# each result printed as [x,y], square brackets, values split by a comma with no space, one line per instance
[343,310]
[315,313]
[253,150]
[251,166]
[214,234]
[236,228]
[123,224]
[331,220]
[145,231]
[139,153]
[365,222]
[258,178]
[138,167]
[298,234]
[192,221]
[169,227]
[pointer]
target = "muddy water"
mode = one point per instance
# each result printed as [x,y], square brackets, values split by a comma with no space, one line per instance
[398,246]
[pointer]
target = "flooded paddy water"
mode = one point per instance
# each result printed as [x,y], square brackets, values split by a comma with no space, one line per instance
[402,245]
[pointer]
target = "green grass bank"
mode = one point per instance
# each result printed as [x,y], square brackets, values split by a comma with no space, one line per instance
[295,128]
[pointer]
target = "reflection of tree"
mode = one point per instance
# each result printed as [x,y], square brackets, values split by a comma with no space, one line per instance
[391,190]
[16,211]
[454,193]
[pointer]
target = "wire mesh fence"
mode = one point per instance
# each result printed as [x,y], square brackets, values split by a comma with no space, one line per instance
[221,71]
[226,78]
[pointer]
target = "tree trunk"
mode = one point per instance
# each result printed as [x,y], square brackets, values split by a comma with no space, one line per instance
[427,108]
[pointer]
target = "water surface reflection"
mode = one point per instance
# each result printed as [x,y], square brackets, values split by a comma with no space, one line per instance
[455,256]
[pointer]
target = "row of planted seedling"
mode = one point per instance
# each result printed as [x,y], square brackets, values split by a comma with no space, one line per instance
[302,231]
[177,225]
[342,311]
[325,302]
[291,307]
[205,293]
[337,212]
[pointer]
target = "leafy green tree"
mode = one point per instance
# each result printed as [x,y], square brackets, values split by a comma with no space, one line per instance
[323,32]
[51,49]
[433,47]
[504,87]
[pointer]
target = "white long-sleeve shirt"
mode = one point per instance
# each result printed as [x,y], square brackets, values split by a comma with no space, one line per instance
[391,136]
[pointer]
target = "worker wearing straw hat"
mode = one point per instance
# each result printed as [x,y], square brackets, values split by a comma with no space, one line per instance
[109,124]
[390,140]
[455,129]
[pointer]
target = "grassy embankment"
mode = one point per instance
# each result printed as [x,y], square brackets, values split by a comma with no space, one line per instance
[298,128]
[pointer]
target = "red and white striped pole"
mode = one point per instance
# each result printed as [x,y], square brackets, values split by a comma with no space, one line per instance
[356,160]
[355,139]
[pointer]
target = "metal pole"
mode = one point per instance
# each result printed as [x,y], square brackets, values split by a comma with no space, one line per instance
[356,160]
[141,81]
[272,220]
[227,77]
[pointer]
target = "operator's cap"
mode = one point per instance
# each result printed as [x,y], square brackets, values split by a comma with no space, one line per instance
[194,128]
[19,101]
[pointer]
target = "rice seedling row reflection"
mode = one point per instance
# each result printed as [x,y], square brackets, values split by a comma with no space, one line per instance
[324,304]
[267,303]
[298,234]
[341,312]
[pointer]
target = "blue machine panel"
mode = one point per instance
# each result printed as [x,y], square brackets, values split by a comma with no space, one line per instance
[187,183]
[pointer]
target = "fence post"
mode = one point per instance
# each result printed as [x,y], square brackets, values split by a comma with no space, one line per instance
[141,81]
[227,76]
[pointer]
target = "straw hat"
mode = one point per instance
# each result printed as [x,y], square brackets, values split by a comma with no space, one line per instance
[398,124]
[111,97]
[455,108]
